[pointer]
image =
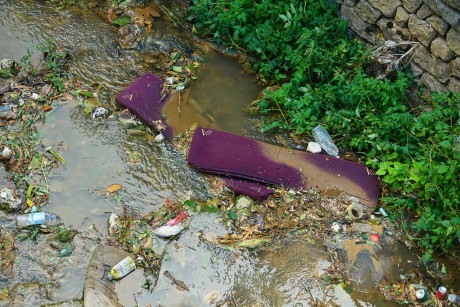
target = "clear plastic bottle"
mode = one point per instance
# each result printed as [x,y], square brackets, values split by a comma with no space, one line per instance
[37,218]
[323,138]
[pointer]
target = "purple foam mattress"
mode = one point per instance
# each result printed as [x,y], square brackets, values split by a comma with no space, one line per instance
[254,190]
[236,156]
[143,99]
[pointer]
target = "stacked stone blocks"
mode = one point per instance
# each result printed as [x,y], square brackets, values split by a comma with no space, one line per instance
[435,24]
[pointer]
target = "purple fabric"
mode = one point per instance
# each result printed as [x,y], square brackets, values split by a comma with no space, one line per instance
[254,190]
[143,99]
[236,156]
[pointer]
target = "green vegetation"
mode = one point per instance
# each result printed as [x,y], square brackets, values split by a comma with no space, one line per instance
[302,46]
[54,66]
[39,86]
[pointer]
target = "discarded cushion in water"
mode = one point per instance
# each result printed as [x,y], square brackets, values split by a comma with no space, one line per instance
[236,156]
[254,190]
[143,99]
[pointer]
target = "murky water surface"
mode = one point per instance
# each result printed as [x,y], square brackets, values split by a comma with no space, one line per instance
[99,153]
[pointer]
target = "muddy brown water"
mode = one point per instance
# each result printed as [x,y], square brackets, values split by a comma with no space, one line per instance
[100,152]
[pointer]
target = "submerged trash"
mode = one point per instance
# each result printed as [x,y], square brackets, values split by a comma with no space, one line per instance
[335,227]
[166,231]
[66,250]
[323,138]
[355,211]
[10,200]
[100,111]
[122,268]
[160,137]
[55,154]
[37,218]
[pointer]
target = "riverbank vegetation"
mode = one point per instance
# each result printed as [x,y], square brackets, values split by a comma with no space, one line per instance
[321,75]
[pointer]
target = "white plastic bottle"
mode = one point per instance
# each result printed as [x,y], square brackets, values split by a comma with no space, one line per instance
[323,138]
[37,218]
[122,268]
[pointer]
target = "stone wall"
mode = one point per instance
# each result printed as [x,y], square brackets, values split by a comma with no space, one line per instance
[435,24]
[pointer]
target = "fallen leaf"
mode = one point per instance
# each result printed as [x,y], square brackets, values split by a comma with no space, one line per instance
[122,21]
[111,15]
[113,188]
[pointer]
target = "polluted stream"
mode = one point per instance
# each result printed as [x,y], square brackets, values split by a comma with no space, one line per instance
[100,153]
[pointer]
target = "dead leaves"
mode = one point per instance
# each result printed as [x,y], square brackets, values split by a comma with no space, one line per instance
[145,16]
[7,252]
[113,188]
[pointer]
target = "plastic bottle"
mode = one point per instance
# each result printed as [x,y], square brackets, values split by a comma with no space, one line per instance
[37,218]
[323,138]
[122,268]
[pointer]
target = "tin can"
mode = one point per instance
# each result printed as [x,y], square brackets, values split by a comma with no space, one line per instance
[122,268]
[422,295]
[453,298]
[441,293]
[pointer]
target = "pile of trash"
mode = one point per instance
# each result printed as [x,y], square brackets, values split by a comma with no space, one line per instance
[23,104]
[146,237]
[410,290]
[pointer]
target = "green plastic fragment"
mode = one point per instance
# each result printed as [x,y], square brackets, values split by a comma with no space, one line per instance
[66,250]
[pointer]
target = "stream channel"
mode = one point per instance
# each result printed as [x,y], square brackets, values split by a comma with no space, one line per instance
[100,152]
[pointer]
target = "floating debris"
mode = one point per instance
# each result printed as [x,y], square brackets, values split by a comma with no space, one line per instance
[100,111]
[56,154]
[168,231]
[122,268]
[113,188]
